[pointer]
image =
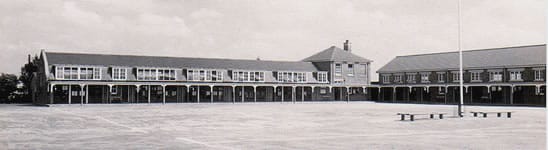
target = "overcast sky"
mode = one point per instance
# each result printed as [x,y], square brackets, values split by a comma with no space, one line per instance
[270,29]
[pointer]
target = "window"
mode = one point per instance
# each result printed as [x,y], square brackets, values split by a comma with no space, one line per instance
[495,76]
[350,69]
[441,77]
[119,73]
[410,78]
[292,77]
[515,76]
[147,74]
[475,76]
[166,74]
[322,77]
[338,70]
[248,76]
[204,75]
[424,78]
[539,75]
[456,76]
[385,78]
[397,79]
[75,73]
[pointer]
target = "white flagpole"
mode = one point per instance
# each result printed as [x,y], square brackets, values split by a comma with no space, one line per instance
[461,82]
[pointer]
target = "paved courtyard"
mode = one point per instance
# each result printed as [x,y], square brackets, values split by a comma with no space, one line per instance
[320,125]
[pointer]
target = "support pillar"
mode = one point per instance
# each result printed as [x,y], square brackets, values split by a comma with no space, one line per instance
[293,96]
[233,94]
[394,94]
[302,94]
[512,94]
[148,91]
[69,94]
[87,94]
[255,93]
[243,94]
[198,94]
[211,93]
[347,94]
[283,94]
[81,94]
[51,92]
[137,89]
[163,94]
[275,93]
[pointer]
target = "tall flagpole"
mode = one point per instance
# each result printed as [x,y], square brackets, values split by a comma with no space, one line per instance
[461,82]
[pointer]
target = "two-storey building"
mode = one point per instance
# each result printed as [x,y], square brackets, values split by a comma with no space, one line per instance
[332,74]
[500,76]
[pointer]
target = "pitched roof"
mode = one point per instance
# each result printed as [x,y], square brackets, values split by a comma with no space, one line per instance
[334,53]
[175,62]
[485,58]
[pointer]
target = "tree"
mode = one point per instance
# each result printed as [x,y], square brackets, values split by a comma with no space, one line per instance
[8,85]
[27,73]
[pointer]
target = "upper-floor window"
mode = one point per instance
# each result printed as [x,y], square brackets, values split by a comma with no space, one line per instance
[364,67]
[385,78]
[75,73]
[495,76]
[119,73]
[204,75]
[424,78]
[338,70]
[350,69]
[410,78]
[397,79]
[248,76]
[166,74]
[475,76]
[285,76]
[456,76]
[539,75]
[322,77]
[441,77]
[147,74]
[515,76]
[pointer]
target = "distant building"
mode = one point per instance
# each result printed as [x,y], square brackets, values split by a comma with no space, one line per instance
[499,76]
[332,74]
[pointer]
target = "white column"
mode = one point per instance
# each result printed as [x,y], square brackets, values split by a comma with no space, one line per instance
[87,94]
[69,94]
[163,94]
[82,92]
[109,93]
[511,94]
[302,94]
[243,94]
[233,94]
[282,94]
[255,93]
[148,91]
[211,93]
[51,92]
[293,96]
[198,94]
[188,94]
[347,94]
[275,93]
[137,92]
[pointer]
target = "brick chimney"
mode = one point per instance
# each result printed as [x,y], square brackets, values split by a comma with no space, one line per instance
[347,46]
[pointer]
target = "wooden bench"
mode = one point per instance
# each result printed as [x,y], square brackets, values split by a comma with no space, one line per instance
[499,114]
[412,116]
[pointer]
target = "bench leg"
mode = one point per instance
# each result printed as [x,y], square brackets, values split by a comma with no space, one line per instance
[431,116]
[484,115]
[402,117]
[498,114]
[509,115]
[412,117]
[475,114]
[441,116]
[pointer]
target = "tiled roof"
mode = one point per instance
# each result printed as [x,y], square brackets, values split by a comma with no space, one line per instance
[175,62]
[334,53]
[485,58]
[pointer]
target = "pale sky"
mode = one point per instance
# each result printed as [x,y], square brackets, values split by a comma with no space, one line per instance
[270,29]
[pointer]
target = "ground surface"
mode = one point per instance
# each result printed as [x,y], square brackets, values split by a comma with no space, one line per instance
[325,125]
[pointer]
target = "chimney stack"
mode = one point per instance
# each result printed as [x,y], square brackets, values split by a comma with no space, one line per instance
[347,46]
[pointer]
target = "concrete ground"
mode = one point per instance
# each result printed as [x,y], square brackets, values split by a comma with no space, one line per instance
[319,125]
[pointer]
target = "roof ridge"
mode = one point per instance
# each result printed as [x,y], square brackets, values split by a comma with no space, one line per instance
[483,49]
